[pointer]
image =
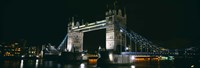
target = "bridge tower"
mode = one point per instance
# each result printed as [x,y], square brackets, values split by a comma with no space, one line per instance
[75,38]
[115,19]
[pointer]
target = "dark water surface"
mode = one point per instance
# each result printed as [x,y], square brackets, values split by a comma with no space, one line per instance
[38,63]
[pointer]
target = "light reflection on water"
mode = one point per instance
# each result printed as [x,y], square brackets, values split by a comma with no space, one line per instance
[36,63]
[56,64]
[132,66]
[82,65]
[22,64]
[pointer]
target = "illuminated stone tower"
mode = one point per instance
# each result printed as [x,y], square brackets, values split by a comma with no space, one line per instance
[75,38]
[114,19]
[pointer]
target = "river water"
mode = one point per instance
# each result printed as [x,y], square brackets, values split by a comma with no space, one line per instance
[39,63]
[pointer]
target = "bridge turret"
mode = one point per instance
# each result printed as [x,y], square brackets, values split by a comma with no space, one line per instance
[77,24]
[110,12]
[69,25]
[114,12]
[106,13]
[72,22]
[119,12]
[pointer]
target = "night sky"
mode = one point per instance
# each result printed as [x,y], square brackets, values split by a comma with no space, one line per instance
[167,23]
[93,39]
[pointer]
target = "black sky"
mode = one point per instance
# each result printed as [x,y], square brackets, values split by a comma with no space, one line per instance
[93,39]
[168,23]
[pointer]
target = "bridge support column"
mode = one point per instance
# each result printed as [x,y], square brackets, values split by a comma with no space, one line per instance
[75,42]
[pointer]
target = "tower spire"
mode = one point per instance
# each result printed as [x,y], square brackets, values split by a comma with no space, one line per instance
[115,2]
[77,24]
[125,12]
[69,23]
[72,21]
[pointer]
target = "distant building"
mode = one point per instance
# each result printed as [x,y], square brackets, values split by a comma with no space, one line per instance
[30,52]
[18,50]
[11,50]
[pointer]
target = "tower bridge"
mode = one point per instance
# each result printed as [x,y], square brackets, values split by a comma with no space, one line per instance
[118,39]
[117,36]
